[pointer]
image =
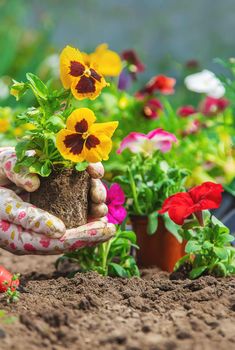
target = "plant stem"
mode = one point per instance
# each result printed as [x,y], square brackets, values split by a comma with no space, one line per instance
[105,252]
[134,192]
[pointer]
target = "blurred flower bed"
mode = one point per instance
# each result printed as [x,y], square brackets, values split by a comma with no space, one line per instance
[198,108]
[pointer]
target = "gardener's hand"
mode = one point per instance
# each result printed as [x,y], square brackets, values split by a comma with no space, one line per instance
[25,229]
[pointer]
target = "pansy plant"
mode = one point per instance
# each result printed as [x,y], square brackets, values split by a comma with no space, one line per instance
[62,134]
[208,248]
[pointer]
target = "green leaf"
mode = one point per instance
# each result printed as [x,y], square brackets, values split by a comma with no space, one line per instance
[81,166]
[46,169]
[218,222]
[192,246]
[222,253]
[38,87]
[21,148]
[56,122]
[197,271]
[181,261]
[118,270]
[207,245]
[130,235]
[152,223]
[172,227]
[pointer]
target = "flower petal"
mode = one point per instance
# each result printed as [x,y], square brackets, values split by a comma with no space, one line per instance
[70,56]
[99,152]
[70,145]
[87,87]
[162,139]
[109,62]
[134,141]
[80,120]
[107,129]
[207,196]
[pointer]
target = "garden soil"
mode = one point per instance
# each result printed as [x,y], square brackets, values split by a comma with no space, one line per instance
[92,312]
[65,195]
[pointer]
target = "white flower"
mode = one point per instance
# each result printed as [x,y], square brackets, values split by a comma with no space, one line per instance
[4,90]
[205,82]
[52,62]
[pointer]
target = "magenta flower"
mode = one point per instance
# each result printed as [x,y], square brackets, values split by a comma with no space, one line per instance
[135,65]
[186,111]
[211,106]
[157,139]
[115,201]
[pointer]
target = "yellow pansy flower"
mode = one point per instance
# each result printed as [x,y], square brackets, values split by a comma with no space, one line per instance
[109,62]
[83,140]
[83,78]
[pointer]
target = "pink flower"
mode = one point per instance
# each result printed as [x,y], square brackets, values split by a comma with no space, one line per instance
[186,111]
[8,165]
[152,108]
[29,247]
[211,106]
[22,215]
[157,139]
[115,201]
[45,242]
[4,225]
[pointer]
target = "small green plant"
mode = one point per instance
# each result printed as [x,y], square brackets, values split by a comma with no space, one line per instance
[208,249]
[111,258]
[4,318]
[12,294]
[147,182]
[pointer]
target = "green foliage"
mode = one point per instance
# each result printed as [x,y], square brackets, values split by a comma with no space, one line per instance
[45,120]
[12,295]
[4,318]
[208,249]
[147,182]
[111,258]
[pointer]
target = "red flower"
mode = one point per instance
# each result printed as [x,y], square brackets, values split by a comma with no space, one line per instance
[182,205]
[152,108]
[6,280]
[211,106]
[159,83]
[186,111]
[135,65]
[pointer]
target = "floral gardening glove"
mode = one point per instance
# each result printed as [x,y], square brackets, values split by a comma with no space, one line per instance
[25,229]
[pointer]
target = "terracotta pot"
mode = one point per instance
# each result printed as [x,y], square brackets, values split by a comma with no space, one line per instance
[161,249]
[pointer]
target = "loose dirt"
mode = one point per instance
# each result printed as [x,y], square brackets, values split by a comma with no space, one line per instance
[93,312]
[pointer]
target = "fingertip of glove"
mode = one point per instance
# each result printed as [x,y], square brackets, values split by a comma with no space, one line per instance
[32,183]
[95,170]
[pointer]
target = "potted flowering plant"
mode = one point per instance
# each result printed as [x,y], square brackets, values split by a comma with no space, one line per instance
[208,249]
[149,178]
[64,138]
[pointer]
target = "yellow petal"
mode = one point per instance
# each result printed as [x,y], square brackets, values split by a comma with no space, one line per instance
[107,129]
[100,152]
[77,116]
[65,151]
[67,55]
[108,61]
[98,86]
